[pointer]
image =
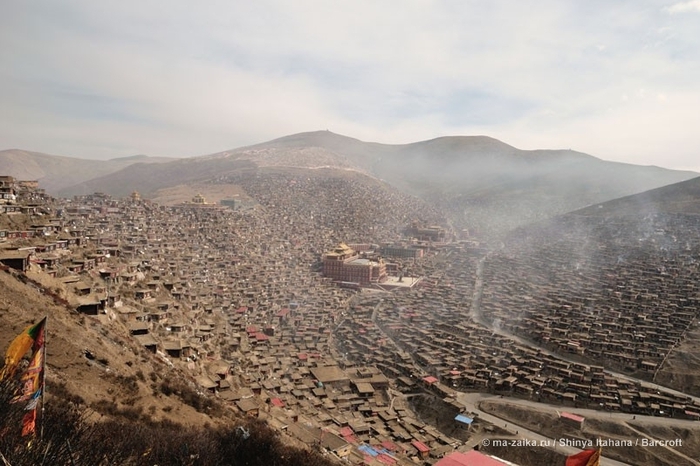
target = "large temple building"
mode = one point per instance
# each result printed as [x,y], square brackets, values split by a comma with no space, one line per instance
[344,264]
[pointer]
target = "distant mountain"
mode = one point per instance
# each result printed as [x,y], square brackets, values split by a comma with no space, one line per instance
[626,215]
[147,179]
[57,172]
[483,184]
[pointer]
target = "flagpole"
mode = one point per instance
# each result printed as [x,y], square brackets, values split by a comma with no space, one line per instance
[4,460]
[43,375]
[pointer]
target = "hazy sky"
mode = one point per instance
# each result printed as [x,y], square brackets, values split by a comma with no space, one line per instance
[617,79]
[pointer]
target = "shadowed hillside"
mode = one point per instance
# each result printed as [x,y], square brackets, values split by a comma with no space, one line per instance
[71,437]
[113,381]
[101,408]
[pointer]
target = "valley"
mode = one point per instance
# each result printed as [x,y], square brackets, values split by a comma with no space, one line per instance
[210,304]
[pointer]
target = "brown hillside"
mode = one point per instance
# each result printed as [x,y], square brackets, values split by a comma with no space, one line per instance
[56,172]
[118,376]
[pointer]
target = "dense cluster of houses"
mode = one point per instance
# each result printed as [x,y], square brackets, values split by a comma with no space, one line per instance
[623,294]
[430,337]
[237,298]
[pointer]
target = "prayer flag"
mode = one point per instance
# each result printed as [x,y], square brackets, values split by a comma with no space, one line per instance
[585,458]
[31,337]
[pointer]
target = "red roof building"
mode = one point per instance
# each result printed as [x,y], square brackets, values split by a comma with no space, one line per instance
[430,380]
[572,418]
[422,448]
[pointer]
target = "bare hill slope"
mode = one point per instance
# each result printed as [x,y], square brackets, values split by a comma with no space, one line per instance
[486,185]
[56,172]
[114,380]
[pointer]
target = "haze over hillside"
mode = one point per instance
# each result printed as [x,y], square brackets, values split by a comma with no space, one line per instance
[484,185]
[680,197]
[634,258]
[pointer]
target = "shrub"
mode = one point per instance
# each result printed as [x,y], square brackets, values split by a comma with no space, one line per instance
[69,438]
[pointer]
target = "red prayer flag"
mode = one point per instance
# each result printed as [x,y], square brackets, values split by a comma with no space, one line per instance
[585,458]
[29,423]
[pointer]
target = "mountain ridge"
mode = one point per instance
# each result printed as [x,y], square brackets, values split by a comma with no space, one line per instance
[55,172]
[485,184]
